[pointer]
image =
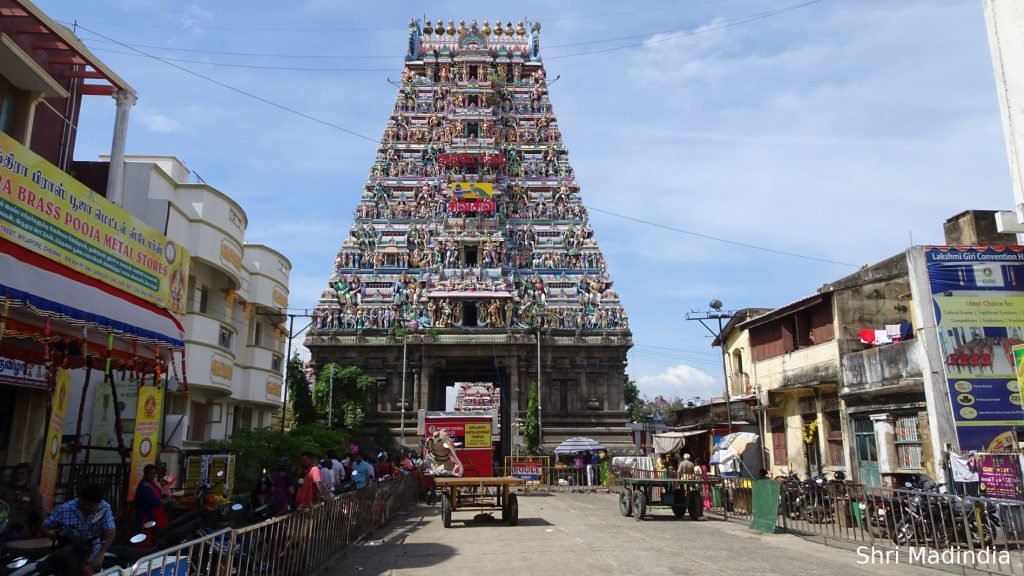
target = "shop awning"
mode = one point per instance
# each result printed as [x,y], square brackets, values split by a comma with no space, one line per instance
[48,289]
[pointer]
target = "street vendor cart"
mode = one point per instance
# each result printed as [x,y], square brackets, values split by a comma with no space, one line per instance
[682,496]
[478,494]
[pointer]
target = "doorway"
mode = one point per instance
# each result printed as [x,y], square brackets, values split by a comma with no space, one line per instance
[470,252]
[469,316]
[866,452]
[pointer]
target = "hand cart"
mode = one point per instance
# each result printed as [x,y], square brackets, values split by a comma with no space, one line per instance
[474,494]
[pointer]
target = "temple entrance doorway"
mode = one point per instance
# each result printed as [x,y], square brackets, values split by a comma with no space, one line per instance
[476,386]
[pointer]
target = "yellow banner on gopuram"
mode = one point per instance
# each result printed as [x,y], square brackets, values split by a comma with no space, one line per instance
[473,190]
[147,433]
[45,210]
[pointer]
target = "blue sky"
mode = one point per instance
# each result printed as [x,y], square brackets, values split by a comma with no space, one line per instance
[840,130]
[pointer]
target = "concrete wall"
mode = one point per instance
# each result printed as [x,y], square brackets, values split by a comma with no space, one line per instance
[975,228]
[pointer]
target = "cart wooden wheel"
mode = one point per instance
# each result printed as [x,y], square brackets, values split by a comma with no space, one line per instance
[446,510]
[513,510]
[679,503]
[639,504]
[626,502]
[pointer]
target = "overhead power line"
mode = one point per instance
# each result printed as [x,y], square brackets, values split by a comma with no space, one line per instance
[256,66]
[239,90]
[723,240]
[670,35]
[684,33]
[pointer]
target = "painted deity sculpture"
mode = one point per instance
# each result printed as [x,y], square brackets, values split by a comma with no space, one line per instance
[440,457]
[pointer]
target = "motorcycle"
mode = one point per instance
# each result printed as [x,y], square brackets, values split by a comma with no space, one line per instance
[939,520]
[816,505]
[68,550]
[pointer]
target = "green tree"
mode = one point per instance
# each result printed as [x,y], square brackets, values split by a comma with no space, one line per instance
[634,403]
[260,450]
[531,429]
[353,396]
[302,398]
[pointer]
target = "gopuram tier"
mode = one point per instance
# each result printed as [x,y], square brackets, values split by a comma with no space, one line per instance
[471,257]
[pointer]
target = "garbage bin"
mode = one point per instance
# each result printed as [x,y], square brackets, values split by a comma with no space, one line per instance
[716,496]
[858,520]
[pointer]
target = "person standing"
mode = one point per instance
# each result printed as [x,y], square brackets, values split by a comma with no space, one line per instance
[686,468]
[362,472]
[309,488]
[595,468]
[149,506]
[284,489]
[22,496]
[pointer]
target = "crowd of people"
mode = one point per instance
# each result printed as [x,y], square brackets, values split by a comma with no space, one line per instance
[317,480]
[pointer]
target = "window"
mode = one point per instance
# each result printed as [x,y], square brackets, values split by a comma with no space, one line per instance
[908,443]
[780,452]
[275,363]
[204,298]
[243,419]
[834,434]
[224,338]
[257,333]
[197,423]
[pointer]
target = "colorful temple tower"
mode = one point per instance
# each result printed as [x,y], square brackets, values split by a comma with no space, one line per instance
[470,257]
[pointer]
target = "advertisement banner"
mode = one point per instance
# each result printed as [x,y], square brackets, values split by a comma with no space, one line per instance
[473,190]
[147,433]
[999,476]
[19,373]
[51,450]
[530,471]
[103,430]
[978,297]
[46,211]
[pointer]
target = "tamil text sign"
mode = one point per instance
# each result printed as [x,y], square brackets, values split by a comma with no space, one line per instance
[48,212]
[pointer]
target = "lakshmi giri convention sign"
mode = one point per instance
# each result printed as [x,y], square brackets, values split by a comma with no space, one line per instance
[48,212]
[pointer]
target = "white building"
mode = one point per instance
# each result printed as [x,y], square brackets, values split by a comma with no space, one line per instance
[236,293]
[1005,21]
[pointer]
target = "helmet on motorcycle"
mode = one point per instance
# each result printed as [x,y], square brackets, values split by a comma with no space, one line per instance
[840,475]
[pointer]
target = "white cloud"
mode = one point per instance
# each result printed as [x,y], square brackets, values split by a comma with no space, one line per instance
[682,381]
[157,122]
[196,18]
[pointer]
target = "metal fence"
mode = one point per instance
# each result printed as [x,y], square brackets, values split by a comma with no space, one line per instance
[302,542]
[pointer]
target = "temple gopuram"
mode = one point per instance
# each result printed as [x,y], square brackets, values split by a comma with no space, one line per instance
[471,257]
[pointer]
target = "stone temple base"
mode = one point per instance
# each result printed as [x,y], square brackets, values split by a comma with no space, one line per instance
[581,384]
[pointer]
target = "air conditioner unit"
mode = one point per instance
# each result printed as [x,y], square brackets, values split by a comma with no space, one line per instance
[175,430]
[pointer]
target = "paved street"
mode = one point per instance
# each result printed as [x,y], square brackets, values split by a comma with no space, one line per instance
[584,534]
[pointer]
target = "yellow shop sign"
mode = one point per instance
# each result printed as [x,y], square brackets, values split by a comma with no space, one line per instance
[45,210]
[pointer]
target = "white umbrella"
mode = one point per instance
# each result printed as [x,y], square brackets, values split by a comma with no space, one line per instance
[729,449]
[578,444]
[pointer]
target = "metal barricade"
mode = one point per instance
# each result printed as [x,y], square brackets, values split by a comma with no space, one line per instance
[310,539]
[208,555]
[908,526]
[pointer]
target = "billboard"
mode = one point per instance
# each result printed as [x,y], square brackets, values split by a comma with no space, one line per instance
[978,298]
[46,211]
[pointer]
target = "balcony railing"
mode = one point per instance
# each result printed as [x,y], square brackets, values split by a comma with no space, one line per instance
[893,365]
